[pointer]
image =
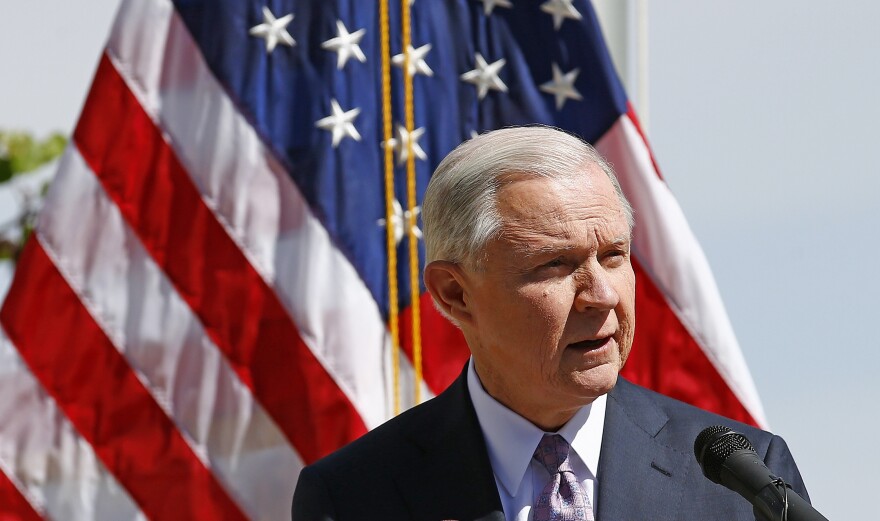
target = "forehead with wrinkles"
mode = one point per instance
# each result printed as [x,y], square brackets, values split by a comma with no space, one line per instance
[531,207]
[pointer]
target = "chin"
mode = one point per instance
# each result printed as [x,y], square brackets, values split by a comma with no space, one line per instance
[596,382]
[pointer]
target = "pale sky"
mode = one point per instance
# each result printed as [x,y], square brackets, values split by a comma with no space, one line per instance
[763,120]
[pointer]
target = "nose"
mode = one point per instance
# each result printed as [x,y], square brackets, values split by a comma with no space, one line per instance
[595,289]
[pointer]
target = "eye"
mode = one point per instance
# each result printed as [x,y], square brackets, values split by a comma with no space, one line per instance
[555,263]
[552,268]
[615,258]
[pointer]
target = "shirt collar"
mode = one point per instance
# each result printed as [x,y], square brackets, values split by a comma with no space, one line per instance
[511,439]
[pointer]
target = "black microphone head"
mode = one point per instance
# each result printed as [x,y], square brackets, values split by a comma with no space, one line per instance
[714,445]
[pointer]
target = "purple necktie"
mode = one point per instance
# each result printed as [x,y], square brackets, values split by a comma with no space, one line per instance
[563,498]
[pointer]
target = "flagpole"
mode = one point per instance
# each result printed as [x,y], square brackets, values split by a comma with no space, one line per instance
[641,36]
[625,26]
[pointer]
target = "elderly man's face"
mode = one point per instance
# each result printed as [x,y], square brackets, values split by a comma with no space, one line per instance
[552,307]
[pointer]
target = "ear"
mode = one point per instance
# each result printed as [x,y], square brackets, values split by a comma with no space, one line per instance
[447,283]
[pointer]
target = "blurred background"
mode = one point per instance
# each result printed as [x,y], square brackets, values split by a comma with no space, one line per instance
[762,117]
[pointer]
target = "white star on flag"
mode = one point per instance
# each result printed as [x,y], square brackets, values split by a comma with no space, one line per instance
[417,62]
[488,5]
[346,44]
[401,144]
[399,220]
[340,123]
[560,9]
[562,86]
[273,30]
[485,76]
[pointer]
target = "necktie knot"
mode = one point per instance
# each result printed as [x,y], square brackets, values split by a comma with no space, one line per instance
[552,453]
[563,498]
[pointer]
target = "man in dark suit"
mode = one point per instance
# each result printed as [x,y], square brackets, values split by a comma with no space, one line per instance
[528,245]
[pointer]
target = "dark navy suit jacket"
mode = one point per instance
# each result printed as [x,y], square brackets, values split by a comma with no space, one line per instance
[431,464]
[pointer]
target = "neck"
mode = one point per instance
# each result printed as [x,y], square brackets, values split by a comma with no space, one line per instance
[538,414]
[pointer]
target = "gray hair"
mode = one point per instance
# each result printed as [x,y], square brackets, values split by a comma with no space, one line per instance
[459,211]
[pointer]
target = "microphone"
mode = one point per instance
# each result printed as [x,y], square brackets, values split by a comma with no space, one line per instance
[728,458]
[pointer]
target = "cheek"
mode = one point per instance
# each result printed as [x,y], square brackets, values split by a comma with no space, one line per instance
[626,312]
[533,321]
[626,289]
[550,308]
[514,319]
[535,303]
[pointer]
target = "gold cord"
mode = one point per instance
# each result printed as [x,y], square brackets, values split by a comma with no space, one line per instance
[390,242]
[412,202]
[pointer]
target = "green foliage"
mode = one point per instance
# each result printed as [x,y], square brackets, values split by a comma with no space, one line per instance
[10,249]
[20,152]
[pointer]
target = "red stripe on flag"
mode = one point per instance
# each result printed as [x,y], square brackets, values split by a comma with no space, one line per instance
[444,350]
[97,390]
[239,311]
[13,505]
[670,361]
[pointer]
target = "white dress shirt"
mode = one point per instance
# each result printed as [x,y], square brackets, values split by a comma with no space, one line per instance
[511,440]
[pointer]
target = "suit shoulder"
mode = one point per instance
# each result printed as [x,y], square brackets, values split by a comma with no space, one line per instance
[681,423]
[337,486]
[684,421]
[367,471]
[388,443]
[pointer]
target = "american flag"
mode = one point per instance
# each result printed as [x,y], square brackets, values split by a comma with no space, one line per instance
[205,306]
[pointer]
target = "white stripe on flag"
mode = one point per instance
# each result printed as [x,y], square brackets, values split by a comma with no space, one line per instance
[46,457]
[669,252]
[135,305]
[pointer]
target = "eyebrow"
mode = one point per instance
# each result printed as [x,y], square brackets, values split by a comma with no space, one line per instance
[623,239]
[530,250]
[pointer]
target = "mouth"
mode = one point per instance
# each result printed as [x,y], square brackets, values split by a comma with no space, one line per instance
[590,345]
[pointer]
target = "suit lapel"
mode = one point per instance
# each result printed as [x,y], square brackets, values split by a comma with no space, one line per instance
[454,467]
[451,478]
[639,477]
